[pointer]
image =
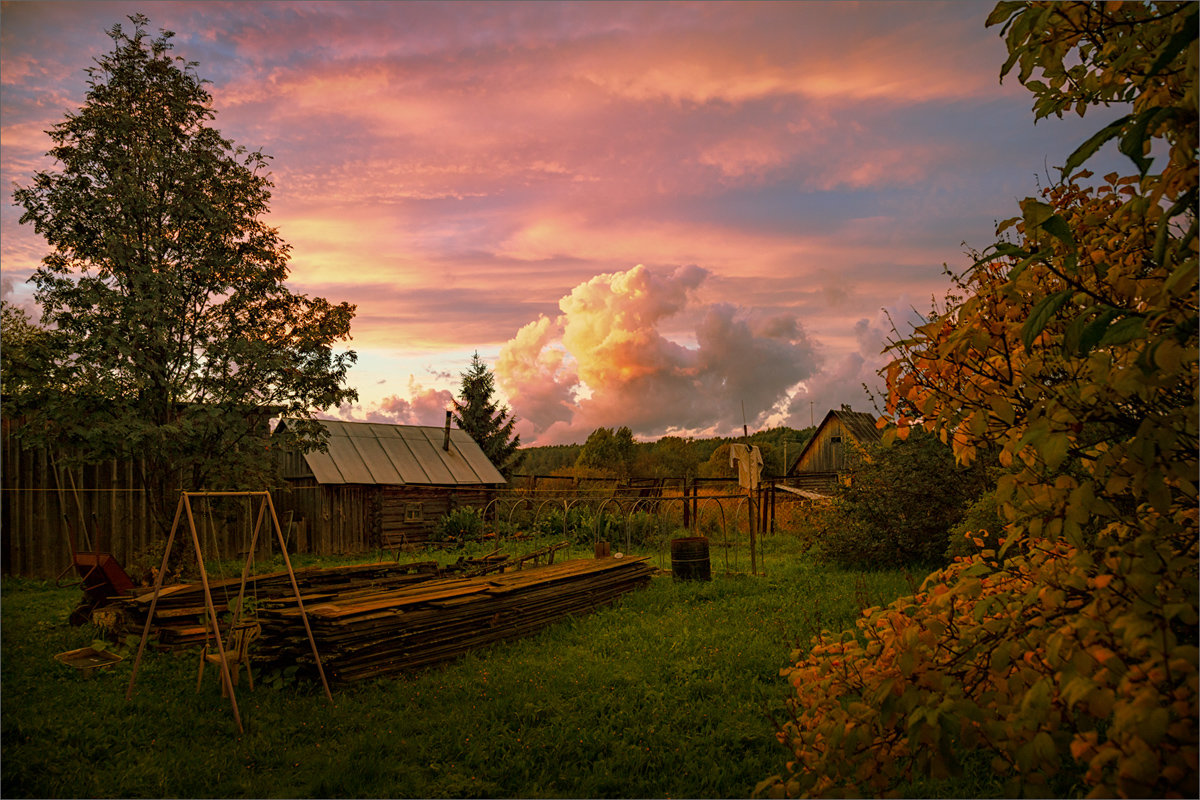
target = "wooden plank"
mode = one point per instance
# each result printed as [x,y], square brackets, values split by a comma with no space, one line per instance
[363,636]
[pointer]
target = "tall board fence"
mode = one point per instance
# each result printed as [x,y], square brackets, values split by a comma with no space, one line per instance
[44,503]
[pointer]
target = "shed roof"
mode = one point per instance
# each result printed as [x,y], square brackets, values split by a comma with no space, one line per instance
[860,425]
[397,455]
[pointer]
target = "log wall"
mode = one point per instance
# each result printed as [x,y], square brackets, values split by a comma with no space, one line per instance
[409,514]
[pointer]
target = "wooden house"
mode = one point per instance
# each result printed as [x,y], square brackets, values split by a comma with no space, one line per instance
[826,454]
[382,485]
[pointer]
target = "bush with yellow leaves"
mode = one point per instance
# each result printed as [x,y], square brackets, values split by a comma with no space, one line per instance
[1069,655]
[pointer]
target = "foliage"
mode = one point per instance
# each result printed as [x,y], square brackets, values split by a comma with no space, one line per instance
[21,342]
[487,422]
[981,521]
[547,459]
[662,694]
[900,505]
[669,457]
[464,524]
[718,464]
[1070,656]
[610,451]
[675,456]
[171,337]
[580,525]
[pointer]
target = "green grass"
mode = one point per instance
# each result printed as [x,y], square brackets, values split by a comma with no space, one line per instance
[668,693]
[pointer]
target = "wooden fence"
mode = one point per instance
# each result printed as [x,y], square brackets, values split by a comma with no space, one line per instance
[43,504]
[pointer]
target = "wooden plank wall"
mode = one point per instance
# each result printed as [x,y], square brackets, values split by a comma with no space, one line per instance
[34,497]
[430,503]
[824,454]
[42,502]
[329,520]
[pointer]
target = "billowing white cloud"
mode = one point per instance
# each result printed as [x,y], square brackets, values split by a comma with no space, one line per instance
[610,359]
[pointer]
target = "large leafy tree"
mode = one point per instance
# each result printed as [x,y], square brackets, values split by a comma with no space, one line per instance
[1067,658]
[488,423]
[171,336]
[609,451]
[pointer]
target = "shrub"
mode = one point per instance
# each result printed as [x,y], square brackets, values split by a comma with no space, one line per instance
[899,505]
[981,521]
[461,525]
[1069,657]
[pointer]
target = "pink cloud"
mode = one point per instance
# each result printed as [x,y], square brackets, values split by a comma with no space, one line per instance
[460,170]
[627,371]
[422,406]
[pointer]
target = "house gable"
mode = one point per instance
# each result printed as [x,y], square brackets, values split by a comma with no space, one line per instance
[827,450]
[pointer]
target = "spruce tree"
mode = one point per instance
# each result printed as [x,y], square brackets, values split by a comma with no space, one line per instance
[487,422]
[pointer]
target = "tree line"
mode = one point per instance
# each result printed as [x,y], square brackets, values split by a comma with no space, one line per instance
[614,453]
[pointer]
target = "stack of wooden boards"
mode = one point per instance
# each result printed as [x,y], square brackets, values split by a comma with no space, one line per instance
[367,632]
[179,613]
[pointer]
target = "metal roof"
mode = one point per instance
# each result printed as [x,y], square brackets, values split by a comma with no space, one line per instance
[397,455]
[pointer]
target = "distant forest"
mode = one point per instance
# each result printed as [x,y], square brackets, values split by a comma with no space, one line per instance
[614,453]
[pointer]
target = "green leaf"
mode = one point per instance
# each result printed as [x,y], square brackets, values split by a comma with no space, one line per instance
[1095,330]
[1041,315]
[1001,250]
[1133,142]
[1035,212]
[1174,46]
[1088,148]
[1002,12]
[1125,330]
[1057,227]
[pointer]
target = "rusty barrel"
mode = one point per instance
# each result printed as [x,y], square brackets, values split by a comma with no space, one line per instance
[689,559]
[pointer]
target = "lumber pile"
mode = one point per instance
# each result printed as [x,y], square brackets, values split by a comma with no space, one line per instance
[368,633]
[180,612]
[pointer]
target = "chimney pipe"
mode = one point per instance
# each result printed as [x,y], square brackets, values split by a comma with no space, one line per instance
[446,441]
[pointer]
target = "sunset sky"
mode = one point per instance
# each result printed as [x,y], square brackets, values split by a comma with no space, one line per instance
[642,214]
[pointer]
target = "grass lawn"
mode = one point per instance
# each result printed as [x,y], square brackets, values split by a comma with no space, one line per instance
[666,694]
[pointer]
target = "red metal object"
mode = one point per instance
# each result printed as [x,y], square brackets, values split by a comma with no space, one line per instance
[102,575]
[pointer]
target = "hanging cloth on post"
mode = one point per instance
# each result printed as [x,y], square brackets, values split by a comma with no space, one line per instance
[749,463]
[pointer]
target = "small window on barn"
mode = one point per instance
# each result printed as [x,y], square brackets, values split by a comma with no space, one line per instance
[835,439]
[412,512]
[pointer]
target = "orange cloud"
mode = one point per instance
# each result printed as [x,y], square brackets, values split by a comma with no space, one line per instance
[607,361]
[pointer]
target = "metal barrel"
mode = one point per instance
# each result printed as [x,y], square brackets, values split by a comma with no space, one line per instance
[689,559]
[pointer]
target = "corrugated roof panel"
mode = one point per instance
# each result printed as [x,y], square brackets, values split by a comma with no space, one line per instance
[358,430]
[473,455]
[397,451]
[323,468]
[429,455]
[336,427]
[451,458]
[371,450]
[378,454]
[348,460]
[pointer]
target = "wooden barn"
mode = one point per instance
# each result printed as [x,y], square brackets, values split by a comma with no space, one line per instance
[382,485]
[825,456]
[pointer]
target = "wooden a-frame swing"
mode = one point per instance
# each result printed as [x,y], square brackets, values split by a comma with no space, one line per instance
[185,505]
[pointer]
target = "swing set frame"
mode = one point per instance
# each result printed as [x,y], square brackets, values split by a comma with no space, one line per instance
[185,506]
